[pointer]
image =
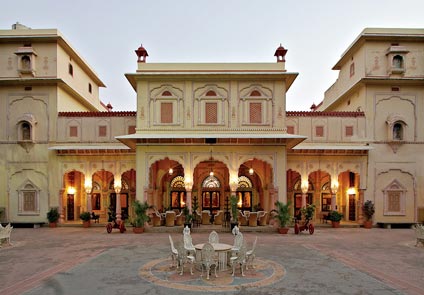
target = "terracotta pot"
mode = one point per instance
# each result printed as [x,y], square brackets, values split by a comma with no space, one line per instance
[138,230]
[52,224]
[86,224]
[368,224]
[283,230]
[335,224]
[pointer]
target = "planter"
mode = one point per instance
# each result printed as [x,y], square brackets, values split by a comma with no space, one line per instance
[335,224]
[138,230]
[283,230]
[233,224]
[86,224]
[52,224]
[368,224]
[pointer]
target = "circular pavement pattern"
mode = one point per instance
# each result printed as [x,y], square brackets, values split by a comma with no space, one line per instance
[160,272]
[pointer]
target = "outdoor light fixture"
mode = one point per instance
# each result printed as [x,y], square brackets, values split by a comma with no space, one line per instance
[170,171]
[71,190]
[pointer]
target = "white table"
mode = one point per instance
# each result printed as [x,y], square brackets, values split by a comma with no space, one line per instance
[222,250]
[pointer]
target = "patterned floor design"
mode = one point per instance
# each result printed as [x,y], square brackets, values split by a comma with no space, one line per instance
[160,272]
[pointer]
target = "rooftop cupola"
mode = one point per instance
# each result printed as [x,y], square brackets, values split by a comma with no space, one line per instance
[141,53]
[280,53]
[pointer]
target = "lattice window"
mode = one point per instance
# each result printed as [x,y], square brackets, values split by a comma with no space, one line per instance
[211,182]
[349,130]
[244,182]
[73,131]
[177,182]
[102,131]
[131,129]
[255,111]
[290,129]
[211,112]
[28,202]
[319,131]
[394,199]
[166,115]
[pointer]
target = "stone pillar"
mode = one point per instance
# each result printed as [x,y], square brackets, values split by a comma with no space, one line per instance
[118,203]
[334,188]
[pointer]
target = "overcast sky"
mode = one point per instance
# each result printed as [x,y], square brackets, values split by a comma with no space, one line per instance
[316,33]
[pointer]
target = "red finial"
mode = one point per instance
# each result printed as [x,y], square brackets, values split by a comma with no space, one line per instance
[313,107]
[141,53]
[280,53]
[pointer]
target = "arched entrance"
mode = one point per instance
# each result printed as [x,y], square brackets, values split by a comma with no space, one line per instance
[211,194]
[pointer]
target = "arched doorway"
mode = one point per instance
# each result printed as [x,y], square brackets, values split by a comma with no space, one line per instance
[177,194]
[211,194]
[245,194]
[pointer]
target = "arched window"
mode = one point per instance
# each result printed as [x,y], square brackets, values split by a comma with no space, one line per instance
[397,131]
[26,63]
[25,131]
[28,202]
[397,62]
[211,182]
[178,193]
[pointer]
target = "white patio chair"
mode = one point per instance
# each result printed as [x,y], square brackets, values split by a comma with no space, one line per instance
[188,244]
[250,255]
[239,259]
[238,242]
[213,237]
[208,259]
[184,258]
[174,253]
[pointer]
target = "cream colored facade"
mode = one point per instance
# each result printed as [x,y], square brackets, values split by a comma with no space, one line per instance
[207,131]
[381,74]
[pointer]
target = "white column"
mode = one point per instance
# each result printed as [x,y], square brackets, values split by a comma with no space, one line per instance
[334,188]
[118,203]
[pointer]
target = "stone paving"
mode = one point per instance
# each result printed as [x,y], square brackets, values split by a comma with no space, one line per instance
[73,260]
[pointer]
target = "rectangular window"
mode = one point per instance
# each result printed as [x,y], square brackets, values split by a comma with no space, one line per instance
[255,111]
[89,87]
[352,69]
[73,131]
[211,112]
[349,130]
[166,115]
[29,202]
[290,129]
[102,131]
[131,129]
[319,131]
[393,201]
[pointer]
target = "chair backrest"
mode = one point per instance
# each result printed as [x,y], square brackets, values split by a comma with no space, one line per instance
[241,254]
[188,242]
[173,249]
[213,237]
[186,230]
[182,252]
[235,230]
[238,240]
[208,253]
[254,244]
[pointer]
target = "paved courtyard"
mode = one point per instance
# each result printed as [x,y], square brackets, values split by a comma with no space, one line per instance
[73,260]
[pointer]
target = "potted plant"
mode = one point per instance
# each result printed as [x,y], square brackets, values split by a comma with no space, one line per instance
[141,217]
[53,216]
[335,218]
[85,217]
[234,211]
[188,218]
[282,214]
[368,210]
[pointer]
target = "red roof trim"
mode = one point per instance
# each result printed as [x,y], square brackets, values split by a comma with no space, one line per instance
[98,114]
[324,114]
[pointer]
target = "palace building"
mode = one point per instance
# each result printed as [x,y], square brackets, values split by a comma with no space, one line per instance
[205,131]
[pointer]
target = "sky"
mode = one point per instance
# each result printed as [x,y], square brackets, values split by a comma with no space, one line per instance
[316,33]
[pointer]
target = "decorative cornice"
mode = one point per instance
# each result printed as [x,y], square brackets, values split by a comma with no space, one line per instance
[99,114]
[324,114]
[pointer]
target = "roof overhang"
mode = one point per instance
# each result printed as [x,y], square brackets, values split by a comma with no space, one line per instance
[329,148]
[198,138]
[289,77]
